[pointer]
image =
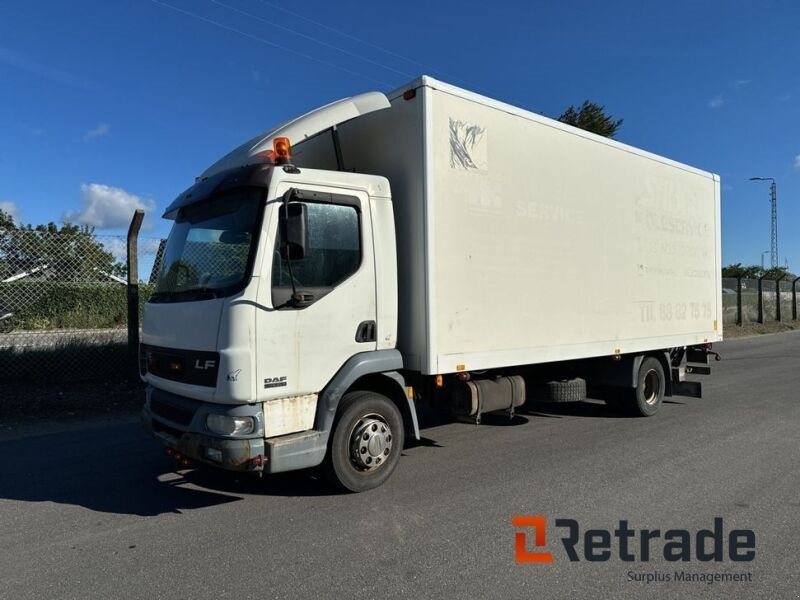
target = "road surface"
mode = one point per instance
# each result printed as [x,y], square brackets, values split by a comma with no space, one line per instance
[100,513]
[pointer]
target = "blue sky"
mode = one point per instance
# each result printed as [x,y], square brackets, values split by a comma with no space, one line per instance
[107,105]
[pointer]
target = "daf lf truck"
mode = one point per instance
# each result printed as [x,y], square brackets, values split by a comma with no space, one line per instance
[430,247]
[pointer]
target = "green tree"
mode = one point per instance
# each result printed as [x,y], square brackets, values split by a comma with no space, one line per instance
[66,253]
[591,117]
[745,272]
[6,220]
[776,272]
[755,271]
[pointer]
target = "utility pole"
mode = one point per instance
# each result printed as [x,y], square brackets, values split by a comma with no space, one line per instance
[773,200]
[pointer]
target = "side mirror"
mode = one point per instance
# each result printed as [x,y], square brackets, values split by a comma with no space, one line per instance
[294,226]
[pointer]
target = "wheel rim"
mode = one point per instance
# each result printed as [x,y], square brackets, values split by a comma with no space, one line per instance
[370,442]
[652,385]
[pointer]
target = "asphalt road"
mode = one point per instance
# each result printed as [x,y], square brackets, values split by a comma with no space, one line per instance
[100,513]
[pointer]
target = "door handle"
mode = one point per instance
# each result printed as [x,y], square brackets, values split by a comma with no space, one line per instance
[365,332]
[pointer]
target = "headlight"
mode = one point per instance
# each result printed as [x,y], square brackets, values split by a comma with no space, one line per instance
[225,425]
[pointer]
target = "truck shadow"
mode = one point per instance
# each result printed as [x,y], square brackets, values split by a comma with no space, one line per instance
[115,469]
[118,469]
[594,409]
[308,482]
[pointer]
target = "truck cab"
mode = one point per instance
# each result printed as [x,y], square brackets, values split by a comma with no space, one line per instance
[276,294]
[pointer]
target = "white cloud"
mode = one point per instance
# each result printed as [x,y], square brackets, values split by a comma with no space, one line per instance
[101,130]
[797,163]
[739,83]
[107,207]
[784,97]
[716,102]
[11,208]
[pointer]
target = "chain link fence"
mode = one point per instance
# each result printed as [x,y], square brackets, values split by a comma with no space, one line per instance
[63,304]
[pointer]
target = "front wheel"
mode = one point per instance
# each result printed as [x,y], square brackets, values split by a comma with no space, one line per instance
[366,442]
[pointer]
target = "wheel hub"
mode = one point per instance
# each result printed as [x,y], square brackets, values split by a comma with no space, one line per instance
[652,384]
[370,442]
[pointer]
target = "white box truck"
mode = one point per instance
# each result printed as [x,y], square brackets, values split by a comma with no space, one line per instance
[429,247]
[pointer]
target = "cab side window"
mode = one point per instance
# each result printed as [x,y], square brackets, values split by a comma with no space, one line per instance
[332,255]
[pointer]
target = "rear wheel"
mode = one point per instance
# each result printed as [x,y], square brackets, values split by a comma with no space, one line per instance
[646,398]
[366,442]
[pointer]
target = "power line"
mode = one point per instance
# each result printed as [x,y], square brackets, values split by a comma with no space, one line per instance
[310,38]
[361,41]
[270,43]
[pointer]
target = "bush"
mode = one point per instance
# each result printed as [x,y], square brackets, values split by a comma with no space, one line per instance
[43,305]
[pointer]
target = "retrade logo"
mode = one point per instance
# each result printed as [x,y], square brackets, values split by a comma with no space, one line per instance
[629,544]
[521,552]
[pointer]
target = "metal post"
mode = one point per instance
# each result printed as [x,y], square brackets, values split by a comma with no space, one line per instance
[133,293]
[778,297]
[761,299]
[794,299]
[773,198]
[739,318]
[773,233]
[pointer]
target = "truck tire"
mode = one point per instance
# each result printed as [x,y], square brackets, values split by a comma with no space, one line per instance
[646,398]
[366,442]
[566,390]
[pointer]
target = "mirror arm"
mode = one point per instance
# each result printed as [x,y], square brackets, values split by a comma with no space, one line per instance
[287,197]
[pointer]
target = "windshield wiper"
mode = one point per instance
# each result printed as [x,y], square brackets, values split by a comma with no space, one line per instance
[203,293]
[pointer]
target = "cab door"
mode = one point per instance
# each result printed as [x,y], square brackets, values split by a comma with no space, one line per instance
[301,346]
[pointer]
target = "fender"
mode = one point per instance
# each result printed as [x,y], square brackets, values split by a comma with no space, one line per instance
[625,372]
[398,384]
[356,367]
[308,448]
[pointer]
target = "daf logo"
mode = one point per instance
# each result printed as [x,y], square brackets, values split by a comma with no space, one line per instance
[209,364]
[273,382]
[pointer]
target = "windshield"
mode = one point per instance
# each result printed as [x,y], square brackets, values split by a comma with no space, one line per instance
[208,250]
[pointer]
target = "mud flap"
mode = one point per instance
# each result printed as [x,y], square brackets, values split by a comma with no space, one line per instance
[692,389]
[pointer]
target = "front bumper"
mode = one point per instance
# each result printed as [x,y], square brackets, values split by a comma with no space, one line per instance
[179,423]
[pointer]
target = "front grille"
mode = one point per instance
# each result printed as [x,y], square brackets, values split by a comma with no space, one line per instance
[182,415]
[187,366]
[161,428]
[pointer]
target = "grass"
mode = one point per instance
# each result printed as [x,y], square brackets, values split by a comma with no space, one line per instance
[754,329]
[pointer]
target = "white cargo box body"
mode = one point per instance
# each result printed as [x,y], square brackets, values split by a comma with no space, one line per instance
[522,240]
